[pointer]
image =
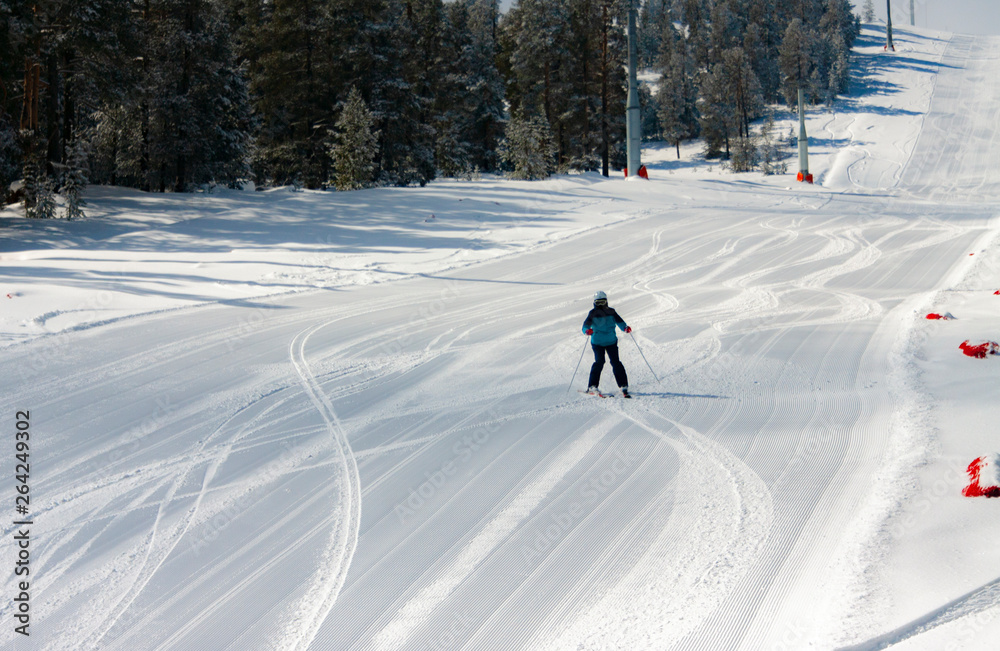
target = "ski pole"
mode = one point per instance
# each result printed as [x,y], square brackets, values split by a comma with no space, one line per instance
[644,358]
[582,353]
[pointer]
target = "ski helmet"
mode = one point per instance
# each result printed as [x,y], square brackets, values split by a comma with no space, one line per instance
[600,298]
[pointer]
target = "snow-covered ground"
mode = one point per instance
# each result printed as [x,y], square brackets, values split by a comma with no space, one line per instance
[286,420]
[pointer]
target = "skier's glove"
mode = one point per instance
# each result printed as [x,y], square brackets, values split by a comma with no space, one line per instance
[590,331]
[628,329]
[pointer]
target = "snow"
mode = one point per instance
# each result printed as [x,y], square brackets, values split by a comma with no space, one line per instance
[342,420]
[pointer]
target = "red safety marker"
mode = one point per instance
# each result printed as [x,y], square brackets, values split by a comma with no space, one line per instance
[984,476]
[980,351]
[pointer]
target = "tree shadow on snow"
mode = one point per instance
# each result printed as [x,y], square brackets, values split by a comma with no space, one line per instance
[673,394]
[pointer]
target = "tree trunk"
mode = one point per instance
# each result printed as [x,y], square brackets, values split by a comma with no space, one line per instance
[69,105]
[53,135]
[605,147]
[185,86]
[144,161]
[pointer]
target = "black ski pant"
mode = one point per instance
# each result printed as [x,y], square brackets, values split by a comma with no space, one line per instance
[595,371]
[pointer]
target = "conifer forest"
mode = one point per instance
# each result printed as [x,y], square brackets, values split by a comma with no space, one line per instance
[175,95]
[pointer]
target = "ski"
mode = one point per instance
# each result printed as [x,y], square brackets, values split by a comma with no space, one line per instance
[601,394]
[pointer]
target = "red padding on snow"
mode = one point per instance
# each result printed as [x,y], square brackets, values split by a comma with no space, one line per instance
[996,293]
[980,351]
[976,487]
[935,315]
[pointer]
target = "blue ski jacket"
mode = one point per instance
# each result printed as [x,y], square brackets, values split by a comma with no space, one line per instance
[603,320]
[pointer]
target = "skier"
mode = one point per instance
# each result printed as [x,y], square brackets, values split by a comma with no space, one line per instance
[600,325]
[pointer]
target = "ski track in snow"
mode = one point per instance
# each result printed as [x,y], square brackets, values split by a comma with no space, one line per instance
[332,572]
[200,489]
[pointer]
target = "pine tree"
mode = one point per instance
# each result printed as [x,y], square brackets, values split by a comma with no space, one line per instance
[15,19]
[612,84]
[81,57]
[745,154]
[731,98]
[653,20]
[839,68]
[743,87]
[10,156]
[454,106]
[485,85]
[771,157]
[761,40]
[838,29]
[649,113]
[868,11]
[297,76]
[537,33]
[726,26]
[75,181]
[31,175]
[45,206]
[677,96]
[795,59]
[39,187]
[528,148]
[195,98]
[419,31]
[695,18]
[717,113]
[356,145]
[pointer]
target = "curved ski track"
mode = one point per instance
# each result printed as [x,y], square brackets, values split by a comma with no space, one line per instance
[201,488]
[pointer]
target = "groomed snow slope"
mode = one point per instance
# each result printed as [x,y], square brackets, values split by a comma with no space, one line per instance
[383,465]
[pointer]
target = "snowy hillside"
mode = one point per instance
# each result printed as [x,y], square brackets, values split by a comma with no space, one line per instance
[290,420]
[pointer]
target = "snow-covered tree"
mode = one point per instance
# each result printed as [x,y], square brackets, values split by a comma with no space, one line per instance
[653,20]
[745,155]
[678,95]
[868,11]
[838,29]
[744,88]
[194,101]
[75,180]
[15,18]
[565,61]
[716,113]
[485,85]
[10,156]
[296,77]
[528,148]
[730,99]
[769,149]
[726,26]
[39,189]
[356,145]
[795,60]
